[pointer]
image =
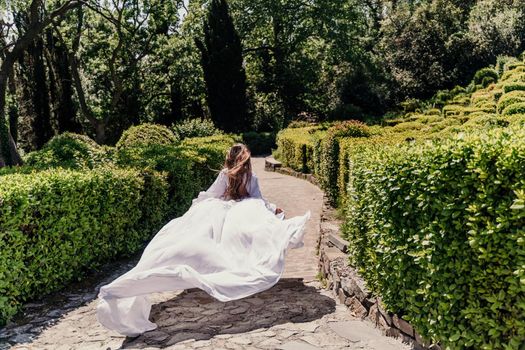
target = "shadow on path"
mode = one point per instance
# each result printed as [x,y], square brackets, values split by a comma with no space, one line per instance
[196,315]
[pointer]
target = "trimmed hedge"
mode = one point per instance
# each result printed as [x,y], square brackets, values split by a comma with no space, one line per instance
[295,147]
[509,99]
[329,154]
[190,166]
[516,108]
[71,151]
[513,87]
[56,224]
[438,231]
[146,134]
[484,75]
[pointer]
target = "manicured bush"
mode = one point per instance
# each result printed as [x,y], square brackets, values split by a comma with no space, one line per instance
[513,87]
[510,98]
[438,231]
[146,134]
[516,108]
[70,151]
[502,63]
[194,128]
[295,148]
[190,167]
[56,224]
[329,154]
[483,73]
[259,143]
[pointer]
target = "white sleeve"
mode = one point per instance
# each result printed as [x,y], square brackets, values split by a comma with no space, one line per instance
[255,192]
[216,189]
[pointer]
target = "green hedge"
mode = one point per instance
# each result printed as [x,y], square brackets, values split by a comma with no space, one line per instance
[196,127]
[439,232]
[190,166]
[295,147]
[513,87]
[516,108]
[328,161]
[146,134]
[56,224]
[71,151]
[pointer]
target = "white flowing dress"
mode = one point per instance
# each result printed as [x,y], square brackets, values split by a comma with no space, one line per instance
[230,249]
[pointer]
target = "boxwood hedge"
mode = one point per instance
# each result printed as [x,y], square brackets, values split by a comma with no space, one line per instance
[56,224]
[438,231]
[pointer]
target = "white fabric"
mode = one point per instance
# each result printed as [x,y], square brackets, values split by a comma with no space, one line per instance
[229,249]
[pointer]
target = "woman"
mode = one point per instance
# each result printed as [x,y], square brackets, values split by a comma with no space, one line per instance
[231,243]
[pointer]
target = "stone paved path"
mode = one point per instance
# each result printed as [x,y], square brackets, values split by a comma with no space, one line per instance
[296,314]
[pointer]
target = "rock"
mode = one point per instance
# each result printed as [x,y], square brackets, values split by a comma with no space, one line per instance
[403,325]
[356,307]
[241,340]
[297,345]
[21,338]
[385,315]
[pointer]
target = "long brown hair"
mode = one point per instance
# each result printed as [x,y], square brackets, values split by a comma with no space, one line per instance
[238,168]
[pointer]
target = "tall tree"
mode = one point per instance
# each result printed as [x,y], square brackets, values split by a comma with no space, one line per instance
[222,63]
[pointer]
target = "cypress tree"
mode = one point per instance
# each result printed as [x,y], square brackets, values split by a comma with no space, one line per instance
[221,58]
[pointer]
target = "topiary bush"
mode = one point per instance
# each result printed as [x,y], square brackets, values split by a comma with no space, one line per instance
[483,73]
[438,231]
[514,87]
[56,224]
[71,151]
[329,154]
[190,166]
[295,148]
[146,134]
[509,99]
[516,108]
[194,128]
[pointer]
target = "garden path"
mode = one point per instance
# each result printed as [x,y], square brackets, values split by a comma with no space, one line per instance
[297,313]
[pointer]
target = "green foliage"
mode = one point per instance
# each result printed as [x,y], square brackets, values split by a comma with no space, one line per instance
[194,128]
[190,166]
[295,148]
[56,224]
[71,151]
[146,134]
[510,98]
[329,154]
[259,143]
[513,87]
[516,108]
[222,64]
[437,231]
[483,73]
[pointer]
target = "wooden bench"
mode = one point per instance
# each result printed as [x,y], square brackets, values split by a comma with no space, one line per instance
[270,164]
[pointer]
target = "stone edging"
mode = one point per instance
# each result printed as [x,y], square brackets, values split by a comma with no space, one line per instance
[344,281]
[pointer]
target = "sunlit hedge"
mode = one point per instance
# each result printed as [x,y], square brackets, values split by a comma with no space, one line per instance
[439,232]
[146,134]
[295,147]
[56,224]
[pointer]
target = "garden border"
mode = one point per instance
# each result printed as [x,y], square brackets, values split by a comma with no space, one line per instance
[343,280]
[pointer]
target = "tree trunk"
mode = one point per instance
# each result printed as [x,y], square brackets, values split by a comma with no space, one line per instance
[8,152]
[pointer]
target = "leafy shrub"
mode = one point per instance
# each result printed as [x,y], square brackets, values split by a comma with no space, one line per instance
[485,73]
[487,81]
[433,111]
[56,224]
[329,154]
[190,166]
[295,148]
[194,128]
[299,124]
[437,231]
[516,108]
[513,87]
[70,151]
[510,98]
[146,134]
[407,126]
[259,142]
[502,63]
